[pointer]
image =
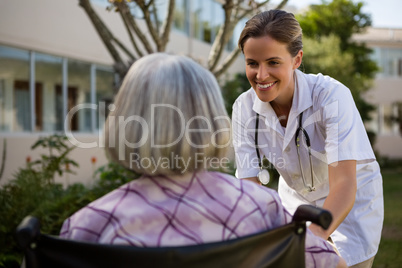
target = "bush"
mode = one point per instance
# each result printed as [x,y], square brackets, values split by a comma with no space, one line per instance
[28,190]
[33,191]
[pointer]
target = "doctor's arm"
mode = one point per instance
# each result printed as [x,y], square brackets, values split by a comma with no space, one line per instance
[253,179]
[341,197]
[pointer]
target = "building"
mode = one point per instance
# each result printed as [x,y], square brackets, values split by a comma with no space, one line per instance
[51,60]
[386,93]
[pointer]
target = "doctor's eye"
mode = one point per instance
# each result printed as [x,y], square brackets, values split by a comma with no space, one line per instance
[252,64]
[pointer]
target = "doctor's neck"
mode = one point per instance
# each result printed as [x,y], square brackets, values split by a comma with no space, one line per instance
[282,111]
[284,101]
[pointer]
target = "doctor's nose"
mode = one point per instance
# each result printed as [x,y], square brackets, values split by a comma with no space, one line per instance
[262,73]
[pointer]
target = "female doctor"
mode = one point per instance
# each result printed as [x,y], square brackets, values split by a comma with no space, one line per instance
[308,127]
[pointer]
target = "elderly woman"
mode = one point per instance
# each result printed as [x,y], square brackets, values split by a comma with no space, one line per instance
[170,125]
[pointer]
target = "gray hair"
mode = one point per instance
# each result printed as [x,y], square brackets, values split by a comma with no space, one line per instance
[169,117]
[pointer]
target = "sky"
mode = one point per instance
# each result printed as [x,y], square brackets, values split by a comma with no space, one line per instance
[384,13]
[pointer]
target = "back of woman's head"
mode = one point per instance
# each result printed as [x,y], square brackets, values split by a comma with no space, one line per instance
[169,117]
[278,24]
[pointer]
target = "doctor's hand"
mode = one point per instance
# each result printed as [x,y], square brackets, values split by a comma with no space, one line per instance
[318,231]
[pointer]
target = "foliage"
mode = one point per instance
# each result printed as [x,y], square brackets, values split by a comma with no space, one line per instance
[51,165]
[3,159]
[31,186]
[342,18]
[34,192]
[391,239]
[329,49]
[233,88]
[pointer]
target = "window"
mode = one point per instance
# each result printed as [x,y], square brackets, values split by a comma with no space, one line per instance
[373,124]
[39,91]
[389,60]
[23,104]
[79,79]
[14,66]
[48,72]
[388,119]
[2,105]
[398,118]
[180,16]
[105,85]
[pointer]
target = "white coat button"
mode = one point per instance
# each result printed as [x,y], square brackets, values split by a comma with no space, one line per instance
[287,149]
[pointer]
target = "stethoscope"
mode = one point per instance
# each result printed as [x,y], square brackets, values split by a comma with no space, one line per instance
[263,174]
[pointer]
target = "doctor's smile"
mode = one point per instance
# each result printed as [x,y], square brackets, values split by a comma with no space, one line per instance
[265,86]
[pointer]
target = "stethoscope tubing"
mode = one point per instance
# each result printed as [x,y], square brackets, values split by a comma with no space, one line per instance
[297,142]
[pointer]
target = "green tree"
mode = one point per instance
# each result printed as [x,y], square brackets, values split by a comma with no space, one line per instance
[233,88]
[329,48]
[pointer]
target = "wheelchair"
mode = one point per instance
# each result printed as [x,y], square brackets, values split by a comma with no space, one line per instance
[279,247]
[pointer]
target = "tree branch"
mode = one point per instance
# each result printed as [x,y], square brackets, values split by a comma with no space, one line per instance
[155,14]
[227,62]
[125,11]
[167,25]
[130,34]
[104,33]
[281,4]
[237,15]
[120,44]
[222,36]
[147,16]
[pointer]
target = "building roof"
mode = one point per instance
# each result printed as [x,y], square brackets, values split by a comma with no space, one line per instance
[380,35]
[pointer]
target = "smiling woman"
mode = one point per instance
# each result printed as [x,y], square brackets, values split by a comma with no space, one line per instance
[311,122]
[269,68]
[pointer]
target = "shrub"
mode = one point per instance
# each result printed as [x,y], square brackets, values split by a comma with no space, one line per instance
[29,188]
[34,192]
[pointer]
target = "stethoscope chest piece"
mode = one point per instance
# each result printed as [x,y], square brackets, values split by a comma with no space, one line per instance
[263,176]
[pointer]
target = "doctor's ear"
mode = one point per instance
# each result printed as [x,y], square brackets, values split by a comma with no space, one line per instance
[297,59]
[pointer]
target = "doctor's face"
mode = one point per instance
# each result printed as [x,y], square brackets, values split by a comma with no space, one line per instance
[270,68]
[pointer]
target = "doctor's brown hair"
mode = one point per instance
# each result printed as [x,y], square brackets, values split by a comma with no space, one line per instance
[278,24]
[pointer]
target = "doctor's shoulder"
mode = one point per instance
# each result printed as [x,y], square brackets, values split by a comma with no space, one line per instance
[326,90]
[245,100]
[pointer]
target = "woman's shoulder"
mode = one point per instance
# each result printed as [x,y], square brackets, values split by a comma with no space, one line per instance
[243,104]
[322,82]
[247,97]
[104,204]
[325,89]
[246,186]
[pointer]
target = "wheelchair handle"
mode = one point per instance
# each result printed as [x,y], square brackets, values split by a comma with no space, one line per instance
[319,216]
[27,231]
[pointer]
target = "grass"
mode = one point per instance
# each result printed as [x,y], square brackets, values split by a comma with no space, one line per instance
[389,254]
